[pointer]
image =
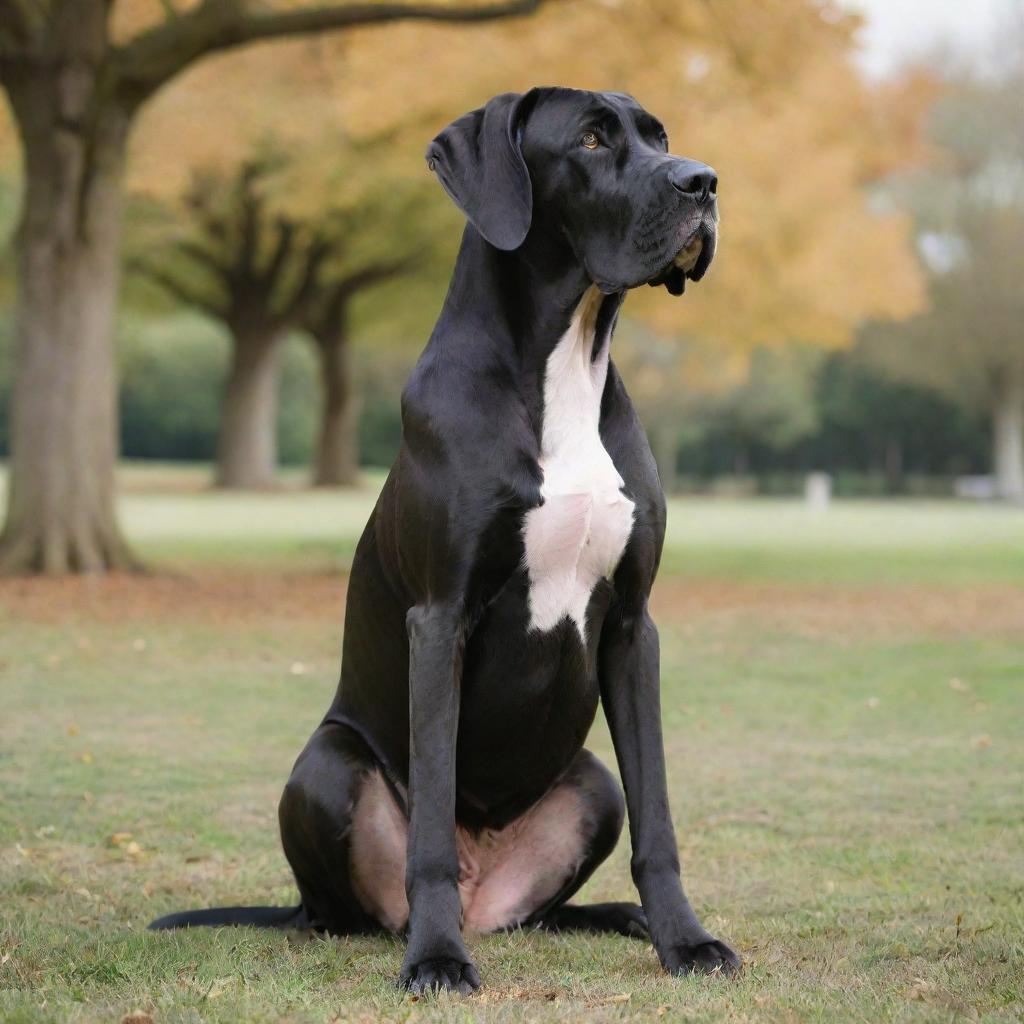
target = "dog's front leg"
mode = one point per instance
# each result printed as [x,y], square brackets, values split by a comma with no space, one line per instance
[630,693]
[436,956]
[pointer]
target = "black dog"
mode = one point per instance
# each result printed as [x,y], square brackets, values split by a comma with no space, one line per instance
[500,588]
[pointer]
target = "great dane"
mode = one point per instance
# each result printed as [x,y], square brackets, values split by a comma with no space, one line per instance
[500,588]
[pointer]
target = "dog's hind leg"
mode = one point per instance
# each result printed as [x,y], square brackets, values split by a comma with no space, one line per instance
[317,814]
[605,812]
[626,919]
[528,871]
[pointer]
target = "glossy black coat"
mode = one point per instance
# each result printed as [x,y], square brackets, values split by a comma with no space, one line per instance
[471,715]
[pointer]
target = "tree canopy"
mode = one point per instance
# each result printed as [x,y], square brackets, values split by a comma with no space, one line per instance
[766,93]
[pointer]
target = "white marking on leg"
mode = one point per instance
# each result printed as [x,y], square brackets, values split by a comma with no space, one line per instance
[580,532]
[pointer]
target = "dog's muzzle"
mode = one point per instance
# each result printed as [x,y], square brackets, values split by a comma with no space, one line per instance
[693,258]
[690,253]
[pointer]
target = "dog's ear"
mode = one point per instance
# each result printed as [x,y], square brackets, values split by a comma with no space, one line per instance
[481,166]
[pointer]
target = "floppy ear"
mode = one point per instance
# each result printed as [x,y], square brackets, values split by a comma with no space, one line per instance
[482,168]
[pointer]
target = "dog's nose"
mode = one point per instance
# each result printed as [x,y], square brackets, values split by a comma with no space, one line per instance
[693,179]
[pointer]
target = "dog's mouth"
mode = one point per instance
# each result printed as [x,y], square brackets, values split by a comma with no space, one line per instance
[690,262]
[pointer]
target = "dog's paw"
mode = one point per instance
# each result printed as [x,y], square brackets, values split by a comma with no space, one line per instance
[711,957]
[442,974]
[626,919]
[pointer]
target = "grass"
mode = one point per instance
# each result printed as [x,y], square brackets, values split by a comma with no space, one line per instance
[174,517]
[843,704]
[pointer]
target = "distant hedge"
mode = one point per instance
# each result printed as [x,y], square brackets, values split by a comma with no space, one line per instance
[875,436]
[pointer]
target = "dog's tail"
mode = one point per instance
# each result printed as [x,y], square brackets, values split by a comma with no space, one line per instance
[255,917]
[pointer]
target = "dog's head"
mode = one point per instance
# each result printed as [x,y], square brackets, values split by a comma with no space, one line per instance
[592,168]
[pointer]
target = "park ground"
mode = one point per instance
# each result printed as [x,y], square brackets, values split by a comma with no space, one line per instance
[844,715]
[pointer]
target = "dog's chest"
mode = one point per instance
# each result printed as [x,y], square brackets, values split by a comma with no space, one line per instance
[579,534]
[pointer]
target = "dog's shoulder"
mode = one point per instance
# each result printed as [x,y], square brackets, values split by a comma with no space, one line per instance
[471,427]
[625,439]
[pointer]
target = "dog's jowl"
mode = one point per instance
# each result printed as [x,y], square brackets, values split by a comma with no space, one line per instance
[500,590]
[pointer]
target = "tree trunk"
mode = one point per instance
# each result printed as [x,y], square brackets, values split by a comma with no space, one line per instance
[247,448]
[61,515]
[893,465]
[1008,441]
[337,452]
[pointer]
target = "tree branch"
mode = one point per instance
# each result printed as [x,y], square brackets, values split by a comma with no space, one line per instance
[198,253]
[249,222]
[377,273]
[324,320]
[156,56]
[16,13]
[15,25]
[305,290]
[282,249]
[178,289]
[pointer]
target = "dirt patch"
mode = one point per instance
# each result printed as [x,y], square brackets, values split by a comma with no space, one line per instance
[252,596]
[814,610]
[240,595]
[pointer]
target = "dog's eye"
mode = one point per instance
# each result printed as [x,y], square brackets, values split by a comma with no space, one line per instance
[590,141]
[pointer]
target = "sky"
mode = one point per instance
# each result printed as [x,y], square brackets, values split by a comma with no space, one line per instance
[897,29]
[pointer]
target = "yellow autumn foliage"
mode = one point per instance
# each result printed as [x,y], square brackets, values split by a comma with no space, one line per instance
[764,90]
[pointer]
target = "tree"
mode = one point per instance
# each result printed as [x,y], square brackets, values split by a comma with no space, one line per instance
[380,233]
[739,83]
[763,400]
[328,324]
[76,76]
[875,424]
[774,407]
[257,275]
[252,259]
[969,207]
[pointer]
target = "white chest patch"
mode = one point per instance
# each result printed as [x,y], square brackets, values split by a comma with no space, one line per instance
[580,532]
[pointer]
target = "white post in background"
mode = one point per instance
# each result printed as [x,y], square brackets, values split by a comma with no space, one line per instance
[818,491]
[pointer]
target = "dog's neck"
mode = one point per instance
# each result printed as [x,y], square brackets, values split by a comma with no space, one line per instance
[530,294]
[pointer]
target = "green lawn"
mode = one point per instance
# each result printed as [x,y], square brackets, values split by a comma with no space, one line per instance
[844,711]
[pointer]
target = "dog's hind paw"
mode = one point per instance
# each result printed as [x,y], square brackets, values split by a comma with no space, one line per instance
[712,957]
[626,919]
[440,975]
